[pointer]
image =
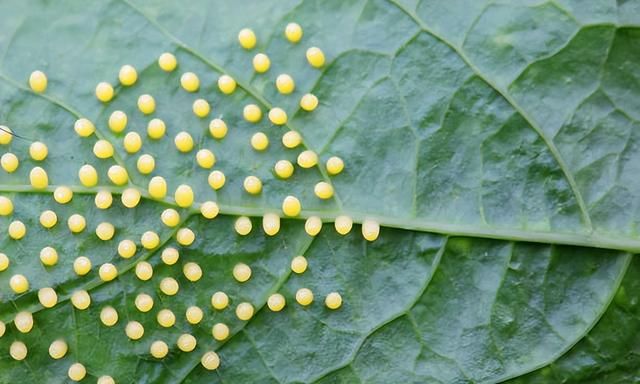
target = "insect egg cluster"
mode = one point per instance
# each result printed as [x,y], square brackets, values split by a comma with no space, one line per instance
[119,187]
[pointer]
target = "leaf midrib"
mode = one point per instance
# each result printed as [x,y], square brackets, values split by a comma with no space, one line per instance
[595,240]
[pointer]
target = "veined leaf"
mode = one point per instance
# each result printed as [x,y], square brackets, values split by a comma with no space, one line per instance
[495,144]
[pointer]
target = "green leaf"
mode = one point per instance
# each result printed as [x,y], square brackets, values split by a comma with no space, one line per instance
[496,145]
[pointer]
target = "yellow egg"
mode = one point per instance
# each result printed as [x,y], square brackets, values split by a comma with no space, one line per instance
[183,141]
[62,194]
[107,272]
[192,271]
[220,331]
[184,196]
[130,197]
[23,322]
[241,272]
[252,113]
[278,116]
[291,139]
[370,229]
[190,82]
[150,240]
[126,249]
[271,224]
[252,185]
[244,311]
[205,158]
[323,190]
[309,102]
[47,297]
[291,206]
[343,224]
[118,175]
[276,302]
[261,63]
[299,264]
[170,217]
[104,92]
[9,162]
[169,286]
[134,330]
[17,230]
[226,84]
[84,127]
[18,350]
[132,142]
[247,38]
[259,141]
[285,84]
[38,178]
[243,225]
[117,121]
[170,256]
[167,62]
[335,165]
[210,361]
[38,81]
[313,225]
[88,175]
[146,164]
[307,159]
[38,151]
[77,372]
[6,206]
[81,299]
[156,129]
[146,104]
[293,32]
[284,169]
[143,302]
[166,318]
[216,180]
[144,271]
[103,199]
[186,342]
[48,219]
[201,108]
[105,380]
[82,265]
[103,149]
[218,129]
[157,187]
[219,300]
[304,296]
[315,57]
[4,262]
[194,315]
[333,300]
[185,237]
[58,349]
[159,349]
[48,256]
[209,209]
[5,135]
[127,75]
[109,316]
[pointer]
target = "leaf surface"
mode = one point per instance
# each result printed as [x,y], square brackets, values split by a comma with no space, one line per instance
[494,143]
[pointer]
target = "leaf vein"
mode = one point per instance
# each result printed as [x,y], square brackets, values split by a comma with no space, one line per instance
[531,122]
